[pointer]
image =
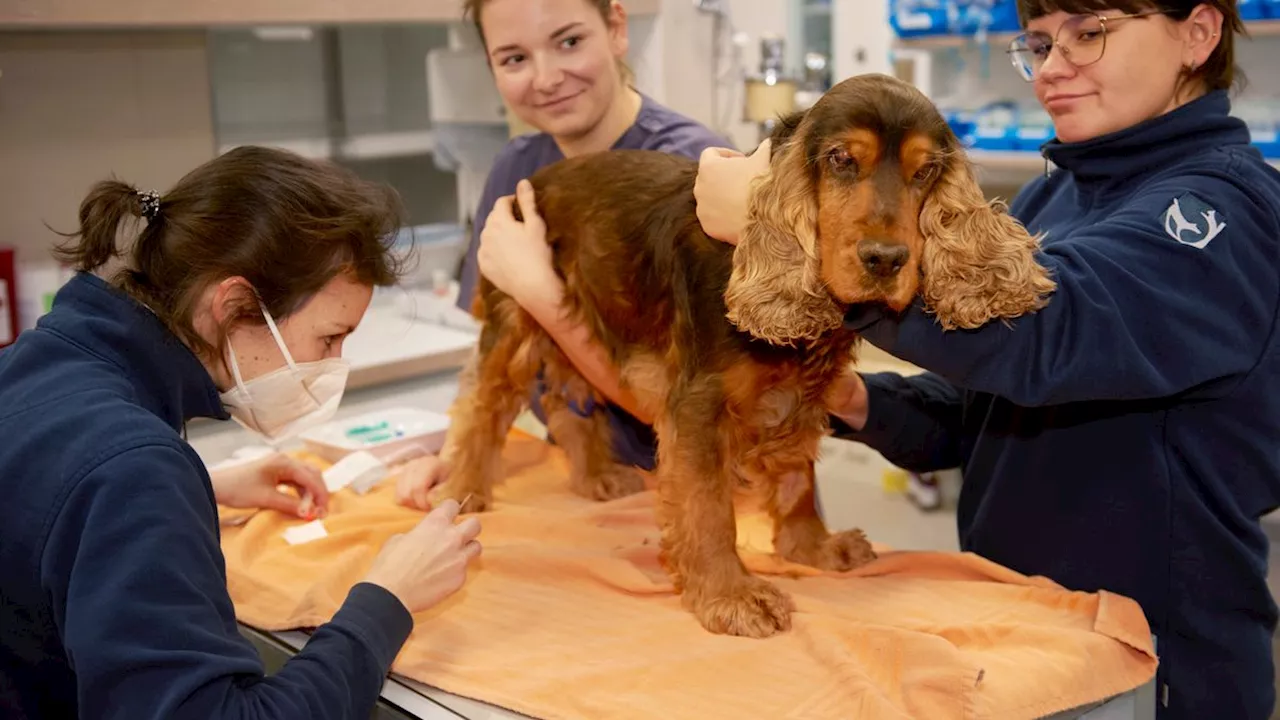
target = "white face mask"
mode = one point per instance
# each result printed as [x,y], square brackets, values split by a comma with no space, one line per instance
[288,401]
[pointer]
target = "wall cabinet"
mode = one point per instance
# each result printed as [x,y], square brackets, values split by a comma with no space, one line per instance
[353,94]
[78,14]
[146,90]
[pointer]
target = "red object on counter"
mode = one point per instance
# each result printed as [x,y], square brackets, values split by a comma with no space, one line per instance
[8,298]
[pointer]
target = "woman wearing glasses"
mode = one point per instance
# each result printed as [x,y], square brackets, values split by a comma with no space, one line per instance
[1127,436]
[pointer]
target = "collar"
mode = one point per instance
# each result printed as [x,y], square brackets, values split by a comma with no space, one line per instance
[646,122]
[647,119]
[1201,124]
[170,380]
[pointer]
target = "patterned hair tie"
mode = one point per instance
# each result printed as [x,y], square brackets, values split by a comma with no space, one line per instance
[150,204]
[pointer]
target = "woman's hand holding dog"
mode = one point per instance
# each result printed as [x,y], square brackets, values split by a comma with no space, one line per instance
[847,400]
[516,258]
[514,255]
[413,486]
[723,188]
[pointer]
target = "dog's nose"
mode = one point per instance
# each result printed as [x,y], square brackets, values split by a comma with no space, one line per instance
[882,259]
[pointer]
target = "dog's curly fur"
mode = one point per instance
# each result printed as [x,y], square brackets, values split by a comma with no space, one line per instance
[731,349]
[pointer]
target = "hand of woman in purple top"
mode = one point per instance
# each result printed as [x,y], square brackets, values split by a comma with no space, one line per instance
[514,255]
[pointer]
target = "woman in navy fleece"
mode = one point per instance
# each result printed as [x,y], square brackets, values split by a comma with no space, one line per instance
[233,302]
[558,64]
[1126,437]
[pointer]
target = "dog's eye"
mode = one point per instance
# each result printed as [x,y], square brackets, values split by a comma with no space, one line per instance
[842,161]
[926,174]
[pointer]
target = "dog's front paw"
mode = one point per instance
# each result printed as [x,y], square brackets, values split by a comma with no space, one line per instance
[617,482]
[845,551]
[471,501]
[748,607]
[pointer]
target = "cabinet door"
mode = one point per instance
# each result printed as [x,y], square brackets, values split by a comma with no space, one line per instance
[78,107]
[861,39]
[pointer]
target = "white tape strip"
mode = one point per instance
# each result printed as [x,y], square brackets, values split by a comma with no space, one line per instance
[299,534]
[361,467]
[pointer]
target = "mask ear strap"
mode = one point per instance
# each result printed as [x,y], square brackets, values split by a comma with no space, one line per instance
[285,349]
[235,366]
[276,333]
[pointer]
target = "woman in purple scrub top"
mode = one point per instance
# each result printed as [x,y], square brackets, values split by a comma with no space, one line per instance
[559,66]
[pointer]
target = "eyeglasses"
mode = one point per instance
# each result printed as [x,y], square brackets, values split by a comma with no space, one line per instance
[1081,39]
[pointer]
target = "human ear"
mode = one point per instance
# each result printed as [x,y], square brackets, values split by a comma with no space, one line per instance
[1202,31]
[618,36]
[231,301]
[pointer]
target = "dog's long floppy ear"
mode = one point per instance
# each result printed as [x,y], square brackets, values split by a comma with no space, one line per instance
[775,292]
[979,262]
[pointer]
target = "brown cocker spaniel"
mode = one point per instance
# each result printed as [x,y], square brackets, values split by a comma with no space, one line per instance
[870,199]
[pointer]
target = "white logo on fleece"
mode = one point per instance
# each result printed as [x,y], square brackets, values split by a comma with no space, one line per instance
[1177,226]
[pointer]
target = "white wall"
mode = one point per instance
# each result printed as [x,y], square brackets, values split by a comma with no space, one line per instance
[675,60]
[861,39]
[754,18]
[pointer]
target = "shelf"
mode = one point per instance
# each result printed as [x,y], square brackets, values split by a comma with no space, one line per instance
[1256,28]
[941,42]
[374,146]
[1008,160]
[392,344]
[50,14]
[358,147]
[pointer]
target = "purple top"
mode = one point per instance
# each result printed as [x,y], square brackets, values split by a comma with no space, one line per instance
[656,128]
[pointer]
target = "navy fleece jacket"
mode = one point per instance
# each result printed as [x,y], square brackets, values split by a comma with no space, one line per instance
[1127,436]
[113,598]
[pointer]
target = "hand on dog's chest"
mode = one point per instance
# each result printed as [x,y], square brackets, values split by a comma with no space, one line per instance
[775,406]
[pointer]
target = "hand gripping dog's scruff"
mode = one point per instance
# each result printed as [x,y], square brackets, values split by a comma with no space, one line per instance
[869,199]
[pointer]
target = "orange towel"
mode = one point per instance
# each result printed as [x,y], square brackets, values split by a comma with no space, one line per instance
[569,615]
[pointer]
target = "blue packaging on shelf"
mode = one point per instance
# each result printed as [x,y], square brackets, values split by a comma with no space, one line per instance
[917,18]
[995,126]
[995,16]
[1004,18]
[1256,9]
[1270,8]
[995,138]
[970,16]
[1030,139]
[1267,142]
[961,125]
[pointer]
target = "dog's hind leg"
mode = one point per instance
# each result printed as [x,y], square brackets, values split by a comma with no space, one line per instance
[577,420]
[494,388]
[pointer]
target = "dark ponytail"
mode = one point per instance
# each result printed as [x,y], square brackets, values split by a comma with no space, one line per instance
[102,214]
[286,224]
